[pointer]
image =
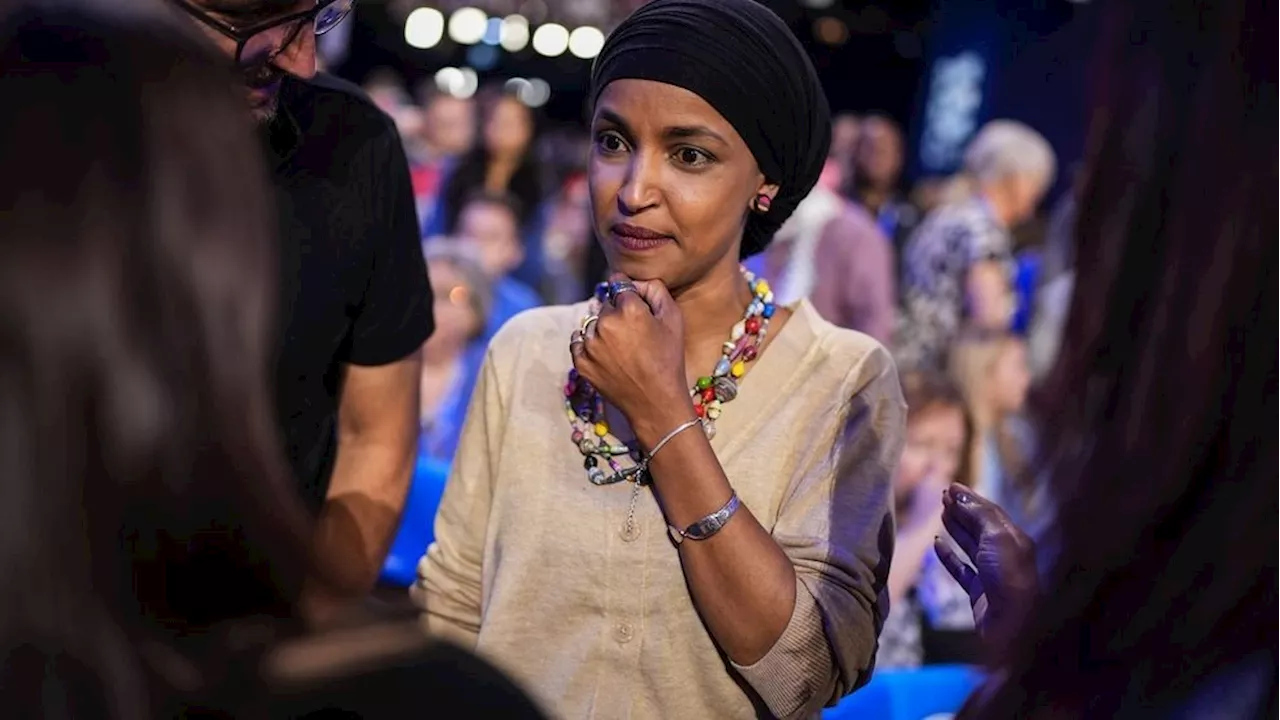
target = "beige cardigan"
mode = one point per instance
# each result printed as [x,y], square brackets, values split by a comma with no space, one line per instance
[531,567]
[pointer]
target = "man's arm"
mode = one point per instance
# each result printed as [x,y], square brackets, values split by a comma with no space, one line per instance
[377,444]
[378,406]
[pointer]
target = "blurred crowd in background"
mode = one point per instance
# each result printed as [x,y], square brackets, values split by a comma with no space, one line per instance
[960,276]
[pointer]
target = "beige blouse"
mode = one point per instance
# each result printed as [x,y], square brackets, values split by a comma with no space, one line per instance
[532,568]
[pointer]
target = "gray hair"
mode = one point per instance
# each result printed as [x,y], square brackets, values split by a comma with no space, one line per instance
[1006,147]
[466,260]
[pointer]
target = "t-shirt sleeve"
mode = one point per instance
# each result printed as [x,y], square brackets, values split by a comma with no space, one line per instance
[395,315]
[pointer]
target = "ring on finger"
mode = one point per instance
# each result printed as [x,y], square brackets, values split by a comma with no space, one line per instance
[586,324]
[619,287]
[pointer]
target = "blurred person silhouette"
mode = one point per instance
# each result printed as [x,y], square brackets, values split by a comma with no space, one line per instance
[489,223]
[568,242]
[831,252]
[990,369]
[876,174]
[503,162]
[846,129]
[1160,442]
[355,301]
[448,131]
[451,121]
[386,89]
[958,267]
[154,543]
[452,357]
[929,617]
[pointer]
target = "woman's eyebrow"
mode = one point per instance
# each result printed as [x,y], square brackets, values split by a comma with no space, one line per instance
[614,118]
[686,132]
[674,132]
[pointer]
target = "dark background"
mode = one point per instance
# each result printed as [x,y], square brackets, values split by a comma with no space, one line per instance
[1035,53]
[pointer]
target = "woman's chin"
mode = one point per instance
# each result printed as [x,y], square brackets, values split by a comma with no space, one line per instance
[639,267]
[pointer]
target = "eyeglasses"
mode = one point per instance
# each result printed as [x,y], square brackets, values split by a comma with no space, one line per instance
[260,43]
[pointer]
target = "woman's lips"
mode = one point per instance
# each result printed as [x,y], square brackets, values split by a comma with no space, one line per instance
[638,239]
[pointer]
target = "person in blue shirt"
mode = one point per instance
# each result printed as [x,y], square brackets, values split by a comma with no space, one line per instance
[451,363]
[490,224]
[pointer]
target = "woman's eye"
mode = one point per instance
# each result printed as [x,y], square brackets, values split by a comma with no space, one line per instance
[692,157]
[610,142]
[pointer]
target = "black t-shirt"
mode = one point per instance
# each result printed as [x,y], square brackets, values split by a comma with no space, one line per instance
[438,681]
[354,286]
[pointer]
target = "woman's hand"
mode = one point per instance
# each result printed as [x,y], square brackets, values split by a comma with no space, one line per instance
[1005,583]
[634,355]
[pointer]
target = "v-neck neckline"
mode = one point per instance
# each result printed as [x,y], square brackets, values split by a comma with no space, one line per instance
[766,381]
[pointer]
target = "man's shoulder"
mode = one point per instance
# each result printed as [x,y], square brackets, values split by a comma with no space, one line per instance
[327,102]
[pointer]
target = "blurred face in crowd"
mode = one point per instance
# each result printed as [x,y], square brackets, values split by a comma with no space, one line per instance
[935,444]
[508,130]
[267,39]
[832,177]
[450,124]
[671,182]
[569,228]
[457,321]
[1010,378]
[844,136]
[494,231]
[879,155]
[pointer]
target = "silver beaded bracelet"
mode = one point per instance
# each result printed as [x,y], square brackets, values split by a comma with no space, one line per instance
[707,526]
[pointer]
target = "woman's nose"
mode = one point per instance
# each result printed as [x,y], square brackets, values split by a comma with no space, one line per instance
[640,188]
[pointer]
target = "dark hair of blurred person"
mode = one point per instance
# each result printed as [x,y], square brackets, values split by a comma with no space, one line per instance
[143,496]
[1162,599]
[151,542]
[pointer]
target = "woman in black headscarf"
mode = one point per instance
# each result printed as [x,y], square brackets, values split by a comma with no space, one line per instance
[674,500]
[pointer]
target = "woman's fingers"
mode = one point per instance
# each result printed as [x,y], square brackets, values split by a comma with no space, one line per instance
[959,569]
[960,533]
[976,514]
[655,293]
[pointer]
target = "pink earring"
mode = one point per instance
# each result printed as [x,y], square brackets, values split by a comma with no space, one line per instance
[762,203]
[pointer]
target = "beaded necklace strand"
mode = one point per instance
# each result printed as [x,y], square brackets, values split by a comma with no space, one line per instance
[585,407]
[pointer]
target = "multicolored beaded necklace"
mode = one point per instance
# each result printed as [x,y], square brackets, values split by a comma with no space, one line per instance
[585,407]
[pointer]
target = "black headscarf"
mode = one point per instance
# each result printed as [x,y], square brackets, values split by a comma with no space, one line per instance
[745,62]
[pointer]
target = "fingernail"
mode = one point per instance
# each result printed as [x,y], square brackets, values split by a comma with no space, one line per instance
[963,498]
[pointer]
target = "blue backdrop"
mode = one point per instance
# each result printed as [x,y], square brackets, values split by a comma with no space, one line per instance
[988,59]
